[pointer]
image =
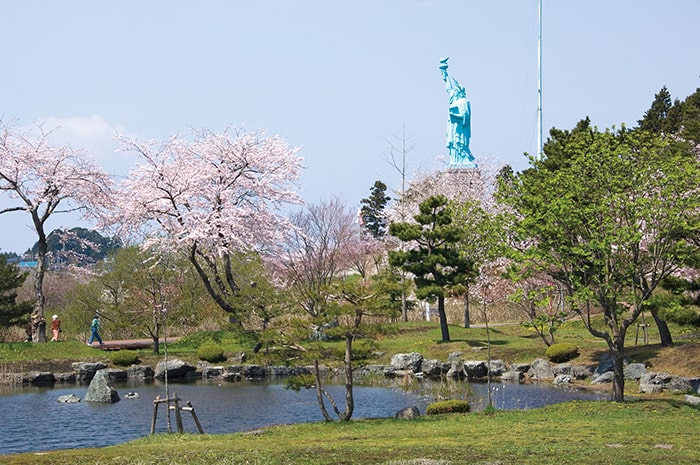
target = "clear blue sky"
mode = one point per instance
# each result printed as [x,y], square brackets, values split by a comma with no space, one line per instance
[340,79]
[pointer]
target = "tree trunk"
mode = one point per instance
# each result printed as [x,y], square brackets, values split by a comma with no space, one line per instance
[349,398]
[618,386]
[664,332]
[443,320]
[467,322]
[404,307]
[320,392]
[38,325]
[38,319]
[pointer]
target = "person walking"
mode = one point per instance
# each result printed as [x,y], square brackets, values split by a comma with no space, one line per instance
[55,327]
[95,331]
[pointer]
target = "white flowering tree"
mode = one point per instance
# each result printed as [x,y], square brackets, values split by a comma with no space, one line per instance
[330,276]
[209,199]
[42,180]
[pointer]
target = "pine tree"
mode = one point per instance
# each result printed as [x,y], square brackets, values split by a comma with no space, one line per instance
[372,211]
[10,280]
[655,116]
[435,261]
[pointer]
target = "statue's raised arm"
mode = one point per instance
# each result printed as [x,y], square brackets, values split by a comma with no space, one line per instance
[459,122]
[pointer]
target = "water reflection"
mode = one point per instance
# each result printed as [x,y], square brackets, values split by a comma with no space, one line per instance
[31,413]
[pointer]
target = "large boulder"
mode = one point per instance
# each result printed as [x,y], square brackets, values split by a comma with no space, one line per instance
[68,399]
[85,371]
[175,368]
[654,382]
[140,372]
[512,377]
[41,378]
[682,385]
[100,389]
[115,374]
[521,367]
[254,372]
[541,369]
[65,378]
[408,413]
[433,368]
[604,378]
[574,371]
[212,372]
[605,364]
[635,371]
[497,367]
[280,370]
[410,361]
[475,369]
[456,370]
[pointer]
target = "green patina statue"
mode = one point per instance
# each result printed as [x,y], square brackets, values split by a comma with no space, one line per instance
[459,129]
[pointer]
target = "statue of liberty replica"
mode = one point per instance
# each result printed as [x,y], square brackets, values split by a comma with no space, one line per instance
[458,123]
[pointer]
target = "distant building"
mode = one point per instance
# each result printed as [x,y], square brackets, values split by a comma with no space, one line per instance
[27,265]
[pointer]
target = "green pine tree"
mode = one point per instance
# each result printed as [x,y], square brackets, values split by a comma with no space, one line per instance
[372,211]
[11,279]
[435,259]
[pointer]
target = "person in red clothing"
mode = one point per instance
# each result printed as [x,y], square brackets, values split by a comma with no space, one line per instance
[55,327]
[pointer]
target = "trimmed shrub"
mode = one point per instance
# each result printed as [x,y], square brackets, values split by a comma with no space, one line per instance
[124,358]
[211,352]
[447,406]
[561,352]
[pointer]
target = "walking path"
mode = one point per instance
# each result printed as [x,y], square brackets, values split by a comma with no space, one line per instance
[123,344]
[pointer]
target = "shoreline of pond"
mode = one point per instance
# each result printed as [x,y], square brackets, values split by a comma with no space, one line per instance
[404,366]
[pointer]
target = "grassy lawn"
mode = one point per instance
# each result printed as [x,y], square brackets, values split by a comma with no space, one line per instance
[645,432]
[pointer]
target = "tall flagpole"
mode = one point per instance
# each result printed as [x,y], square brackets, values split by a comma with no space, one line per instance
[540,149]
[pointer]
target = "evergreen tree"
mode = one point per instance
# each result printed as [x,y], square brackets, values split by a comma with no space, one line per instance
[435,260]
[372,211]
[690,119]
[654,118]
[11,279]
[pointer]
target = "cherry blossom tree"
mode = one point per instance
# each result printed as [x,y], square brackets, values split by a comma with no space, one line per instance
[330,273]
[209,199]
[42,180]
[326,242]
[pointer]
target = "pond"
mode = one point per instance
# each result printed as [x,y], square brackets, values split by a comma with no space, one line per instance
[33,420]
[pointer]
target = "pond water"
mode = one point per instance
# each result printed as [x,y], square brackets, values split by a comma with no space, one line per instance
[33,420]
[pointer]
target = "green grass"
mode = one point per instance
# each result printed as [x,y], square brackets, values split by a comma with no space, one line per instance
[581,433]
[511,342]
[19,352]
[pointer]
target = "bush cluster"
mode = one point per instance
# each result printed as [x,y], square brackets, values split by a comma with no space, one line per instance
[125,358]
[561,352]
[447,406]
[211,352]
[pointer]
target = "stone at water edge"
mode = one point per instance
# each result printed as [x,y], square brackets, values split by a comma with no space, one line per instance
[100,390]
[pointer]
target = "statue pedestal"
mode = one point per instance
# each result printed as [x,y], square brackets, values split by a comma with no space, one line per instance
[466,165]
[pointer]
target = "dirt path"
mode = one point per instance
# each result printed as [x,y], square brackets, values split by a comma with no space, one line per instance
[132,344]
